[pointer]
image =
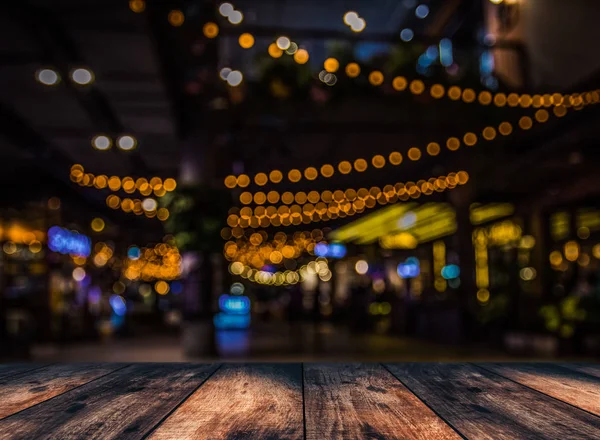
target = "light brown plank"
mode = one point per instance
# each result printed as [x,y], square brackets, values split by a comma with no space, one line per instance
[9,370]
[25,390]
[125,404]
[356,401]
[482,405]
[591,369]
[578,389]
[251,401]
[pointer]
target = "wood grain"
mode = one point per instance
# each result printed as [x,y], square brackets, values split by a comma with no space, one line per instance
[482,405]
[591,369]
[567,385]
[25,390]
[356,401]
[8,370]
[125,404]
[252,401]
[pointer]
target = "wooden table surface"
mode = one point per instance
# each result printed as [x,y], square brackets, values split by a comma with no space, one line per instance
[294,401]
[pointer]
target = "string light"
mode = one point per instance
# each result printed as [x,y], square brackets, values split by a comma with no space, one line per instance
[453,143]
[155,185]
[137,5]
[327,205]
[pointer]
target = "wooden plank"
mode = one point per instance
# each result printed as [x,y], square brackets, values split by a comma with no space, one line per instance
[8,370]
[578,389]
[482,405]
[257,401]
[28,389]
[125,404]
[358,401]
[587,368]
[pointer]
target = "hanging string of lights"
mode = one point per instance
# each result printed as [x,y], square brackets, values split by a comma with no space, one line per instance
[344,204]
[395,158]
[128,184]
[319,267]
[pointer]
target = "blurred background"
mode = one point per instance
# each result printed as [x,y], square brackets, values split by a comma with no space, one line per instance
[285,179]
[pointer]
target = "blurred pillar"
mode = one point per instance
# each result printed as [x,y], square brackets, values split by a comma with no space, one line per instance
[461,199]
[538,228]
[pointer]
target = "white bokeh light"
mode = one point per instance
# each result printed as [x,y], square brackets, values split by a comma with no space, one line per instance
[126,142]
[235,78]
[82,76]
[48,77]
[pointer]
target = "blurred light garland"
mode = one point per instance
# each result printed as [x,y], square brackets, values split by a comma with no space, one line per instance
[128,184]
[318,267]
[347,203]
[395,158]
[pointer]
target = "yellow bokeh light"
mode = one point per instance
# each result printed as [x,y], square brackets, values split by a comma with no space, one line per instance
[454,93]
[360,165]
[525,123]
[176,18]
[137,5]
[301,56]
[331,65]
[275,176]
[344,167]
[311,173]
[352,70]
[395,158]
[210,30]
[243,180]
[399,83]
[453,144]
[246,40]
[294,175]
[505,128]
[378,161]
[161,287]
[500,100]
[483,296]
[542,116]
[170,184]
[417,87]
[274,51]
[414,153]
[261,179]
[470,139]
[468,95]
[437,91]
[489,133]
[327,170]
[230,181]
[97,224]
[433,149]
[376,78]
[485,98]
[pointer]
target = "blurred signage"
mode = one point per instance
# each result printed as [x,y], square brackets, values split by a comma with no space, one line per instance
[64,241]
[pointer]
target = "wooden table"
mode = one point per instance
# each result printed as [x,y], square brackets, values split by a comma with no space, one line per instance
[295,401]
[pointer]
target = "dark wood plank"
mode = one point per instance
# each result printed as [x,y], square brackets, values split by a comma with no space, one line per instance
[356,401]
[25,390]
[252,401]
[125,404]
[482,405]
[587,368]
[8,370]
[578,389]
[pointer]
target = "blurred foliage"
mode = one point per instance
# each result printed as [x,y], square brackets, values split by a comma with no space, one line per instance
[570,314]
[197,215]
